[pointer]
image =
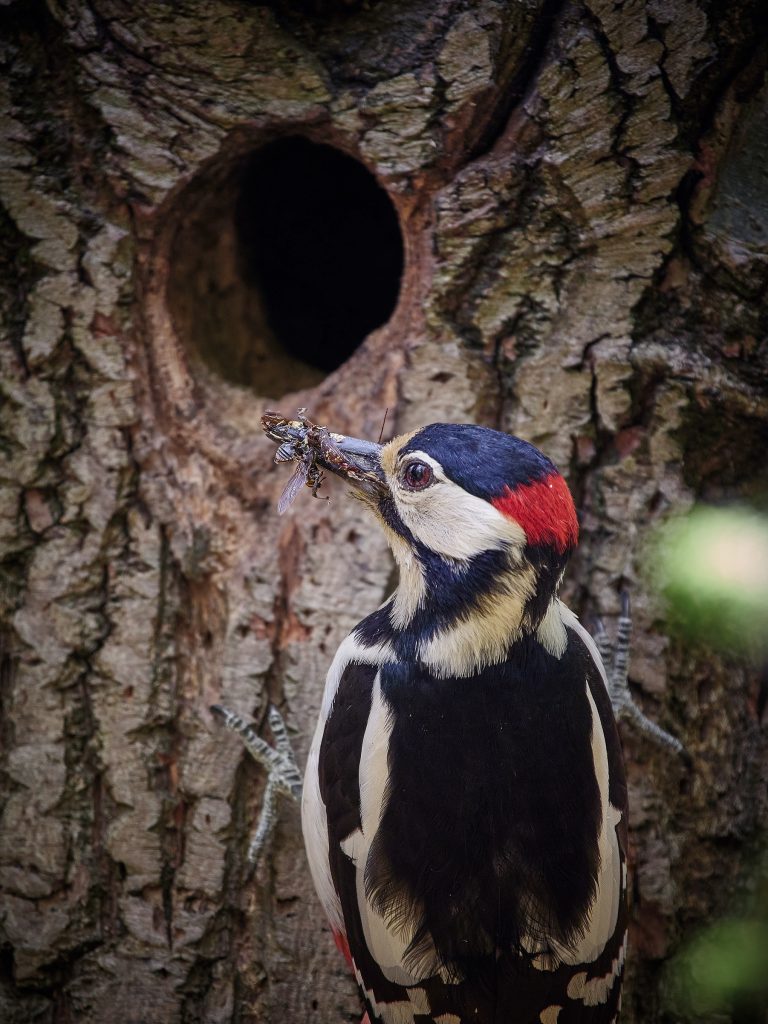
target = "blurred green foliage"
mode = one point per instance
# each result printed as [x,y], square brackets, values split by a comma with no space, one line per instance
[724,969]
[712,568]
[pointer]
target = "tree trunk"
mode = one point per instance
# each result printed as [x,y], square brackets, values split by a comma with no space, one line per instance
[582,197]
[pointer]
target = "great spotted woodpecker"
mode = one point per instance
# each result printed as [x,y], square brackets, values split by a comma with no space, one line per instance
[464,804]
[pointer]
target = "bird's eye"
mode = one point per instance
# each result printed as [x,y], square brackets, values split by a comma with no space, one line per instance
[416,476]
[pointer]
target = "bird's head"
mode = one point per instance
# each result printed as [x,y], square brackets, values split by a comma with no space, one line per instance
[481,524]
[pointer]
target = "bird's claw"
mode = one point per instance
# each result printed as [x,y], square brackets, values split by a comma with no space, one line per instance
[616,660]
[280,762]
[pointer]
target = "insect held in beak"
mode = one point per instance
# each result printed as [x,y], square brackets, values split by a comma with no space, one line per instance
[315,448]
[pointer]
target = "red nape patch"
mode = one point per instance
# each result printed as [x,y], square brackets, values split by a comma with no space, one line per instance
[545,511]
[343,947]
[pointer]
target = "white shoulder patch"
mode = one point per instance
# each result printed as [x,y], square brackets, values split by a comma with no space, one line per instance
[600,921]
[386,943]
[551,633]
[314,821]
[570,620]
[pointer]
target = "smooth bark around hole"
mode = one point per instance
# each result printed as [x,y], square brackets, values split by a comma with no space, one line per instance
[283,264]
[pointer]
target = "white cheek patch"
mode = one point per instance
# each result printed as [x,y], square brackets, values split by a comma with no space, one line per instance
[458,526]
[450,521]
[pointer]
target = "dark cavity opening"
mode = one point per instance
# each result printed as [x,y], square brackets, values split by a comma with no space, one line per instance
[281,266]
[320,238]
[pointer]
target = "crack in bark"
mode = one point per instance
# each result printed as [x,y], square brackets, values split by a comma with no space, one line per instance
[627,99]
[512,91]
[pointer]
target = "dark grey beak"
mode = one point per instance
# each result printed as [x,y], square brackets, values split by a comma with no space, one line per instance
[366,454]
[356,461]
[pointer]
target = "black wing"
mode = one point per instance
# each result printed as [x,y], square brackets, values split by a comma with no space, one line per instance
[486,863]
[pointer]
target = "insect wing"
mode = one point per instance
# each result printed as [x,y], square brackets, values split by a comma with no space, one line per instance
[292,488]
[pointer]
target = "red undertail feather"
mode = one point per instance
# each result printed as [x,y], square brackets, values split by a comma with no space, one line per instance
[343,947]
[545,511]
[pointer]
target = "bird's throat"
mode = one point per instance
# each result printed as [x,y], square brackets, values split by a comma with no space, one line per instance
[457,618]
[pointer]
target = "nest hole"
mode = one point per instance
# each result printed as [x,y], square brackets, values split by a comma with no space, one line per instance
[282,265]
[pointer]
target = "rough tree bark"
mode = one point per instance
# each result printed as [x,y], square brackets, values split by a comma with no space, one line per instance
[581,189]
